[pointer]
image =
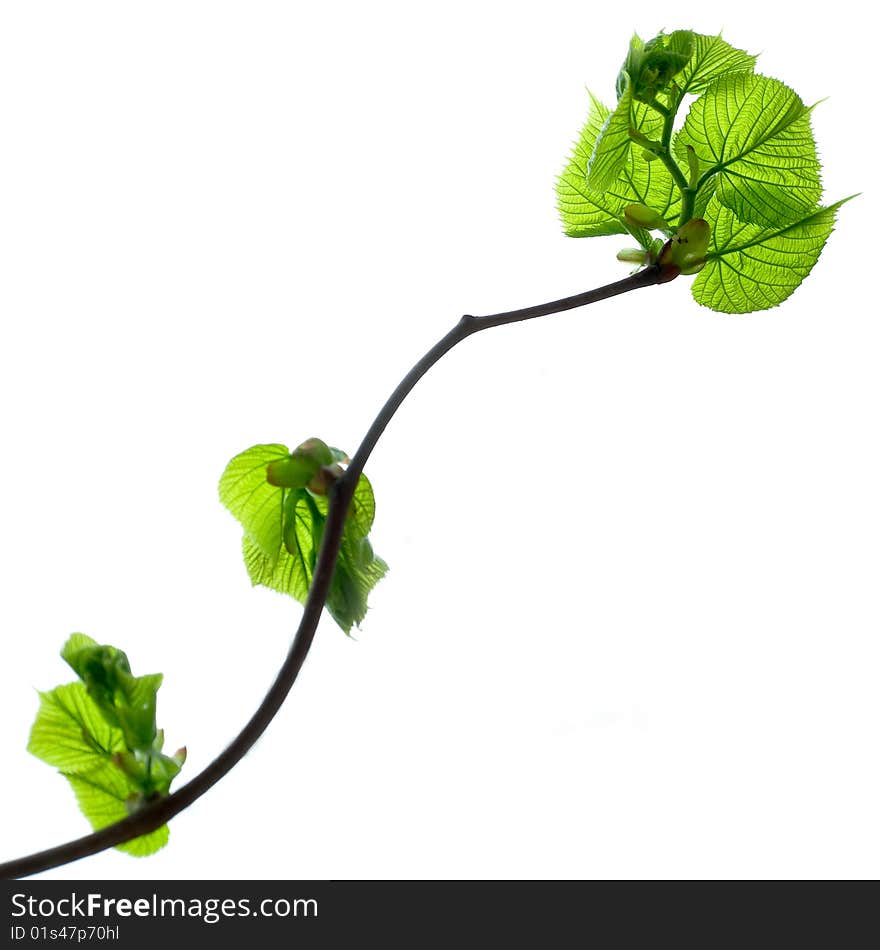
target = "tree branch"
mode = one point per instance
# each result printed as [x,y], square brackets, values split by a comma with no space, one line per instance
[157,813]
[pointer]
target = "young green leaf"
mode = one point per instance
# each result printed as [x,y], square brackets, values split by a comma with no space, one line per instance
[589,213]
[357,570]
[753,268]
[711,58]
[290,570]
[127,702]
[71,733]
[613,141]
[362,511]
[101,797]
[76,643]
[245,491]
[584,212]
[754,134]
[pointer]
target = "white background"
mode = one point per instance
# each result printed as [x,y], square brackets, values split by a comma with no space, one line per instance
[632,625]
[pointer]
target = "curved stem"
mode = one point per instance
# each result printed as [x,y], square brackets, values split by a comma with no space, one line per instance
[157,813]
[688,194]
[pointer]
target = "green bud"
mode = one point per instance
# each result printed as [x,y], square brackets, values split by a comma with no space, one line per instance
[163,769]
[632,255]
[300,466]
[152,773]
[689,269]
[641,216]
[650,67]
[291,472]
[650,145]
[648,155]
[317,450]
[685,252]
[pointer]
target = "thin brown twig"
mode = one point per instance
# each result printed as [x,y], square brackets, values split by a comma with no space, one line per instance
[158,813]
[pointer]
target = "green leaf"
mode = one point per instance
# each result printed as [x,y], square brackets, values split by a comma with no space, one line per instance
[704,196]
[357,572]
[362,510]
[101,797]
[711,57]
[125,701]
[251,499]
[753,133]
[753,268]
[290,572]
[76,643]
[137,710]
[586,212]
[72,734]
[613,142]
[99,667]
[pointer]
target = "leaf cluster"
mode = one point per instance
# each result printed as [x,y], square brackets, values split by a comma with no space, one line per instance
[744,161]
[100,733]
[280,499]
